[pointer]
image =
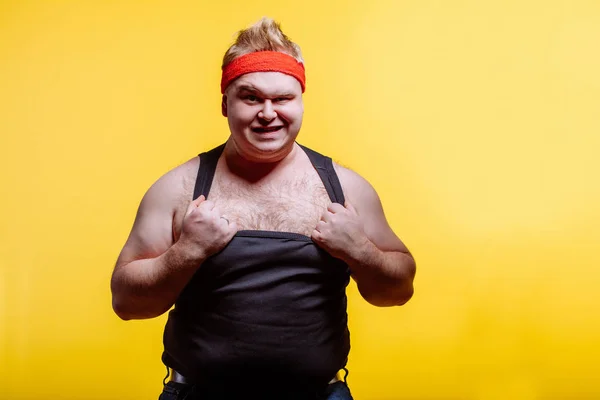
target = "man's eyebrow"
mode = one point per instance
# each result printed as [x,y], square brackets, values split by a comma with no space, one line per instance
[252,89]
[248,88]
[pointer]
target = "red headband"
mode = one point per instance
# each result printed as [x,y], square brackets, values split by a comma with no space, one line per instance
[263,61]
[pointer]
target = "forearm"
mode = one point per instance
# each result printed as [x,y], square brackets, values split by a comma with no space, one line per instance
[384,278]
[148,288]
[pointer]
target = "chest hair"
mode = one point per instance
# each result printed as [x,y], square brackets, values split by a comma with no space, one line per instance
[290,205]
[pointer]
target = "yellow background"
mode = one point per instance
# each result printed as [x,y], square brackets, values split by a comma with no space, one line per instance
[477,121]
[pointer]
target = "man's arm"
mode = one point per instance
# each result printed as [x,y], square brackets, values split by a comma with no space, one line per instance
[152,269]
[150,272]
[359,234]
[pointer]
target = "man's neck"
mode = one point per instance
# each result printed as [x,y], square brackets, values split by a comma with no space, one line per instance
[254,171]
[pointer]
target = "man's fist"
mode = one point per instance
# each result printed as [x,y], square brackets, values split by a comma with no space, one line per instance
[340,232]
[205,231]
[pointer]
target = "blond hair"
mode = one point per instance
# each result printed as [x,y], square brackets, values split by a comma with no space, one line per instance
[264,35]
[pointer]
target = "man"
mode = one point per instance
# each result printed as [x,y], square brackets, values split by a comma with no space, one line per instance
[254,243]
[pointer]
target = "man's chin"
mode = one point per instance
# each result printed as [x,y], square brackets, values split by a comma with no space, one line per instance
[269,144]
[264,150]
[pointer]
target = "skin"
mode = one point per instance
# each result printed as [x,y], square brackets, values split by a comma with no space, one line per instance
[171,236]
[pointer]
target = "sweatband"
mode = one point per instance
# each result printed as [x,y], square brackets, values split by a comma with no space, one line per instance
[263,61]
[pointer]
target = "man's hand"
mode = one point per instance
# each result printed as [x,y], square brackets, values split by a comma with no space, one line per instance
[205,231]
[340,232]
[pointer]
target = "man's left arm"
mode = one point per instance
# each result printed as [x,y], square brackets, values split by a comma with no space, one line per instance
[359,234]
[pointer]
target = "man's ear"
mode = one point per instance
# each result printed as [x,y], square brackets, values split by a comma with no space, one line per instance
[224,106]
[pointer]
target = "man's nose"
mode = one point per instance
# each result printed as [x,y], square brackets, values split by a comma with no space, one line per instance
[268,111]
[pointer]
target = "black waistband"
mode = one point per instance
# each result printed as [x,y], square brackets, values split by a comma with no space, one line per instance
[175,376]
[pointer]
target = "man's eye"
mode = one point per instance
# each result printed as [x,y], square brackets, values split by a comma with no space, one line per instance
[251,98]
[281,99]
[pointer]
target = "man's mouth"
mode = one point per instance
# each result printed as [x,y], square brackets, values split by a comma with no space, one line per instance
[267,129]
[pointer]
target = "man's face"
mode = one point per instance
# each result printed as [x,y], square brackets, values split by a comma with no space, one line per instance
[264,111]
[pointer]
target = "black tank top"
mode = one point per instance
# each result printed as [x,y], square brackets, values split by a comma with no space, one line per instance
[269,308]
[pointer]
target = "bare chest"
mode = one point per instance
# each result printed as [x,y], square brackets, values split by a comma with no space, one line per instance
[292,205]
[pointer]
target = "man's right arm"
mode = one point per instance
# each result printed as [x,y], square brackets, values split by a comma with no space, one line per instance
[151,269]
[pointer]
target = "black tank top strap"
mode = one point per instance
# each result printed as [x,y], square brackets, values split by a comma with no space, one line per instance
[322,164]
[324,167]
[206,171]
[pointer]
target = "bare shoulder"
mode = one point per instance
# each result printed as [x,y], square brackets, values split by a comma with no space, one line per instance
[364,198]
[152,230]
[357,190]
[171,188]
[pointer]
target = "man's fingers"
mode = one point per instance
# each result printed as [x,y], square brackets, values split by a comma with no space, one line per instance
[320,226]
[207,205]
[199,200]
[350,207]
[224,218]
[335,208]
[316,235]
[233,228]
[220,218]
[194,204]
